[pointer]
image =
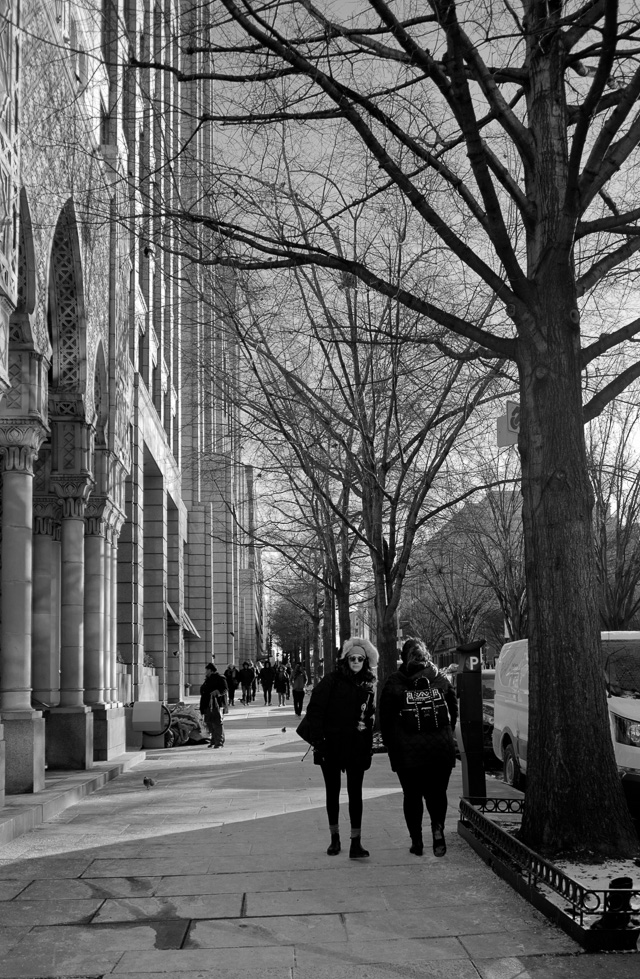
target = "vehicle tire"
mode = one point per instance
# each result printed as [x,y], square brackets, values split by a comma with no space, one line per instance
[511,769]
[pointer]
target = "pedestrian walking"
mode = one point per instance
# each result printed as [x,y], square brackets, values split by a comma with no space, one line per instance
[247,676]
[214,703]
[281,685]
[299,681]
[418,711]
[232,676]
[339,724]
[267,676]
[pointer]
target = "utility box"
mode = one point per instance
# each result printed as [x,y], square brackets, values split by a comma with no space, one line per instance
[150,717]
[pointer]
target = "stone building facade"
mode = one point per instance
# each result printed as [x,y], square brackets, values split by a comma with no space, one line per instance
[123,566]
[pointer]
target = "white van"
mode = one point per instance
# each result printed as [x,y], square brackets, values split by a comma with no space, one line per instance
[621,664]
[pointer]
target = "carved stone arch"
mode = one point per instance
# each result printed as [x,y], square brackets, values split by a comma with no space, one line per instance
[20,326]
[101,396]
[67,321]
[28,364]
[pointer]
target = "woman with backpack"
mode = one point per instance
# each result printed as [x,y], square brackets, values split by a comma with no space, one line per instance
[418,712]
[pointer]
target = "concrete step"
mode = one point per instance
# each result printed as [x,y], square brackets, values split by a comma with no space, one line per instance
[22,813]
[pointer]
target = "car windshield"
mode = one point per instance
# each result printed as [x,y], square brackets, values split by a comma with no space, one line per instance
[622,666]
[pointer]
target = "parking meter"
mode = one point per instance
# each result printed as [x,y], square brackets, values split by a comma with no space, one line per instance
[470,737]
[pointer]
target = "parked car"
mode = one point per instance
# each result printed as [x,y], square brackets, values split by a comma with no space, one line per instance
[488,695]
[621,665]
[488,690]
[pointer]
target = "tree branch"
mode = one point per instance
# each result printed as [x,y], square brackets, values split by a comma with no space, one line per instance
[617,222]
[600,400]
[600,269]
[609,340]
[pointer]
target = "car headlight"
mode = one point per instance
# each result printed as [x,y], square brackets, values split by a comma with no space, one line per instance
[627,732]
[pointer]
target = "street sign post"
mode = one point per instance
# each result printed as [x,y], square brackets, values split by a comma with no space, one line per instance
[509,425]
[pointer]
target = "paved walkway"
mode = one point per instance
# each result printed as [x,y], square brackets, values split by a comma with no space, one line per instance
[220,870]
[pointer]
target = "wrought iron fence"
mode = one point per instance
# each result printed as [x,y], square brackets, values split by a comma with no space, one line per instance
[613,905]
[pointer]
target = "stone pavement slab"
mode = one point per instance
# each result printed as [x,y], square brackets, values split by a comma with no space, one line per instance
[164,908]
[220,871]
[595,966]
[240,961]
[103,888]
[314,929]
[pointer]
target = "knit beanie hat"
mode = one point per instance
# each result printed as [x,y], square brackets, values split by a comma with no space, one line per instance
[363,646]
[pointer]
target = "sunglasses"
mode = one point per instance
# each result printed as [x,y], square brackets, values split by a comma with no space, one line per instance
[356,659]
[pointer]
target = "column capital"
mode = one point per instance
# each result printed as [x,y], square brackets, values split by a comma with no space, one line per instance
[117,520]
[97,516]
[20,442]
[46,516]
[73,491]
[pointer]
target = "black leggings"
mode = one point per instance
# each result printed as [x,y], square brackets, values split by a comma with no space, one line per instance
[333,781]
[429,784]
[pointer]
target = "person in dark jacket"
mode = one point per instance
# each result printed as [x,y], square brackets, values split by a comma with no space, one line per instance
[267,675]
[418,711]
[281,684]
[214,702]
[339,724]
[232,677]
[247,677]
[299,682]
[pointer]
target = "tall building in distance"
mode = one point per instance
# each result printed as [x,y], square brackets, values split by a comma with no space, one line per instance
[126,557]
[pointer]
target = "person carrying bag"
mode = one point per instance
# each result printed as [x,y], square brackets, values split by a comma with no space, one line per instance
[339,725]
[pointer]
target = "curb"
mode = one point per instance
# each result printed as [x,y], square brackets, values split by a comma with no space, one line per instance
[23,813]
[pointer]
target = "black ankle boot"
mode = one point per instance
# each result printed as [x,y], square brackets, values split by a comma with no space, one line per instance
[439,845]
[356,849]
[334,847]
[417,846]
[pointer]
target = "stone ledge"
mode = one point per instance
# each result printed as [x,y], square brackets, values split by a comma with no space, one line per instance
[22,813]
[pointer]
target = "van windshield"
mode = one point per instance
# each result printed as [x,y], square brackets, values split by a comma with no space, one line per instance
[622,667]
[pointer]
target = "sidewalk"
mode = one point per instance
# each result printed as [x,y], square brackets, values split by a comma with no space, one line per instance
[220,870]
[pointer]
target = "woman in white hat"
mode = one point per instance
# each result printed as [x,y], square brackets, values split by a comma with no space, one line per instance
[339,725]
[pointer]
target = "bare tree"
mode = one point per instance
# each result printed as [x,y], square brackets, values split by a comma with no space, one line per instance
[363,416]
[487,535]
[455,594]
[511,133]
[613,463]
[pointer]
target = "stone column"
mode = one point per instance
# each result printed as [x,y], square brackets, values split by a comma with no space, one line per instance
[110,689]
[45,653]
[108,717]
[117,522]
[96,681]
[70,726]
[23,727]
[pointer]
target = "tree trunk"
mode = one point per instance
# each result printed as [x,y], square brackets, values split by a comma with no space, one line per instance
[386,626]
[327,630]
[344,617]
[569,740]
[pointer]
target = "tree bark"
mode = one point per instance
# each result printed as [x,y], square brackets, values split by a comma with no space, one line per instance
[572,750]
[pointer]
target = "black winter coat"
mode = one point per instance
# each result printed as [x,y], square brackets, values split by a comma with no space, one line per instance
[409,747]
[267,676]
[214,682]
[246,676]
[340,715]
[232,677]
